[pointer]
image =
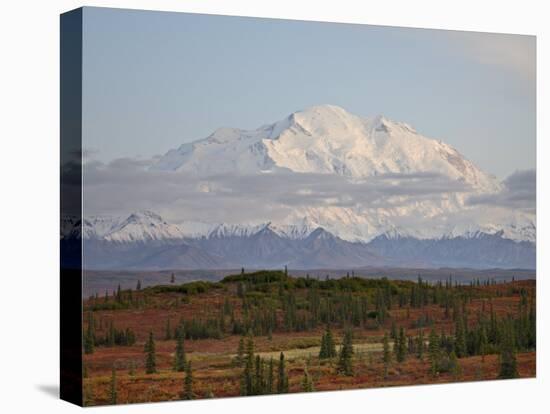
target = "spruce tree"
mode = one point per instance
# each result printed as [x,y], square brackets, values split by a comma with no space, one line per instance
[179,356]
[258,386]
[507,359]
[433,351]
[240,352]
[248,378]
[323,350]
[401,348]
[345,362]
[460,338]
[113,395]
[454,366]
[393,331]
[331,346]
[89,337]
[269,383]
[420,345]
[150,355]
[282,378]
[328,347]
[167,331]
[188,383]
[483,343]
[250,349]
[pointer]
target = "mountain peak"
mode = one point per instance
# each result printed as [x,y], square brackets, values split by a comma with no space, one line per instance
[144,215]
[326,139]
[324,120]
[381,123]
[320,234]
[142,226]
[323,110]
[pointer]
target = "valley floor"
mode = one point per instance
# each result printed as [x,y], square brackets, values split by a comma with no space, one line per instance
[216,373]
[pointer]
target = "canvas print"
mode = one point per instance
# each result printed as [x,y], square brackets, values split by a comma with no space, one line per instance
[275,206]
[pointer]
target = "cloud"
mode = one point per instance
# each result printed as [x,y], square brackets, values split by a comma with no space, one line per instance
[516,53]
[519,192]
[126,185]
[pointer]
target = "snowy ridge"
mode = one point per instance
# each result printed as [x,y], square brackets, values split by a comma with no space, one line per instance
[146,226]
[145,241]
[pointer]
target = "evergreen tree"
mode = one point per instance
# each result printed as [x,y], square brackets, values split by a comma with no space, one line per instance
[269,384]
[188,383]
[433,351]
[89,337]
[331,346]
[393,331]
[173,278]
[345,362]
[420,345]
[138,286]
[507,359]
[328,347]
[282,378]
[113,395]
[179,356]
[454,366]
[460,338]
[248,378]
[240,352]
[118,295]
[323,350]
[258,376]
[401,346]
[167,331]
[150,355]
[483,343]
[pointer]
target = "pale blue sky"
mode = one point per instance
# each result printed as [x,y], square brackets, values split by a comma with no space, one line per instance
[154,80]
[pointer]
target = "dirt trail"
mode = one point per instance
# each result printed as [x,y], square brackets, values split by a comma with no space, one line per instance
[314,351]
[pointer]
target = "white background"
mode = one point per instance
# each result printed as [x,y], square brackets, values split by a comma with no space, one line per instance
[29,173]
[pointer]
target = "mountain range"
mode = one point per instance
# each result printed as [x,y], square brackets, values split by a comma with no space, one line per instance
[144,241]
[344,191]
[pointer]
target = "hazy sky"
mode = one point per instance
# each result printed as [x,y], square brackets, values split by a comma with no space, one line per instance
[154,80]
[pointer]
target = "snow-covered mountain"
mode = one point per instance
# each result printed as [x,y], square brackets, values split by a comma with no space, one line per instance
[145,241]
[140,226]
[325,139]
[328,140]
[407,225]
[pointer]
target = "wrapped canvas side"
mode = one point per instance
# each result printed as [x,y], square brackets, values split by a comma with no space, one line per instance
[71,207]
